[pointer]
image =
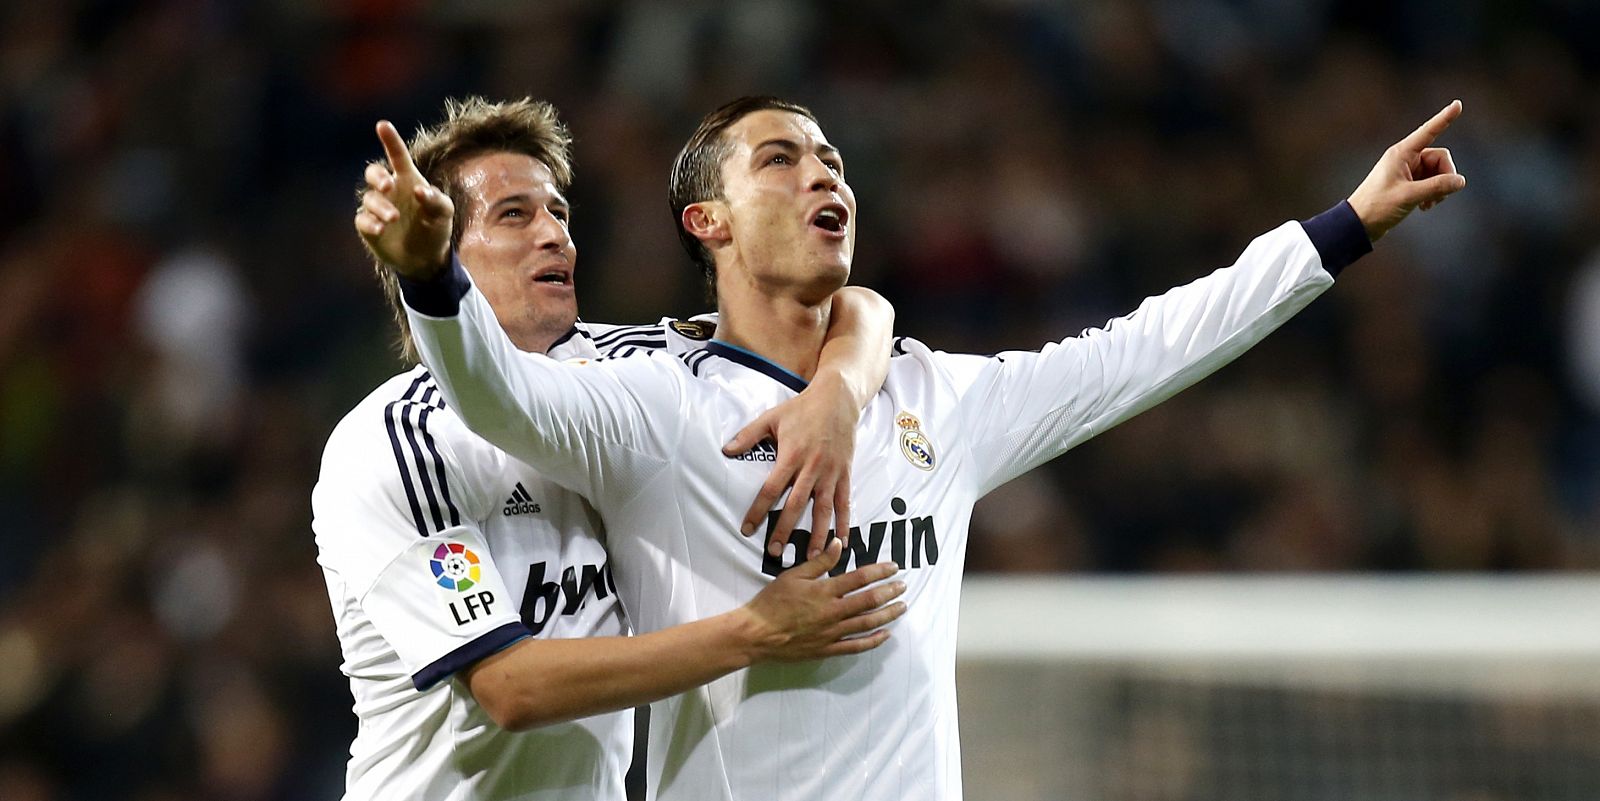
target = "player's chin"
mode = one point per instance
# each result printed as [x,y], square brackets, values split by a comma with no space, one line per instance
[837,271]
[553,301]
[833,260]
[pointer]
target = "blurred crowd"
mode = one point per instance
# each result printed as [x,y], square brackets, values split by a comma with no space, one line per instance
[185,310]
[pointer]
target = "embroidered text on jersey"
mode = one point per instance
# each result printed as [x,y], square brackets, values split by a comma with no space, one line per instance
[520,503]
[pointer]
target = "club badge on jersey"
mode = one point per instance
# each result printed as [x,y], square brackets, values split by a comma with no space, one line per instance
[916,446]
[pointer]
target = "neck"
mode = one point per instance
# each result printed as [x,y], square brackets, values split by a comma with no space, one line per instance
[783,329]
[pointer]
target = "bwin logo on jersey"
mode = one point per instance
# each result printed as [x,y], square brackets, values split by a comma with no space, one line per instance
[520,503]
[764,451]
[542,600]
[916,446]
[913,542]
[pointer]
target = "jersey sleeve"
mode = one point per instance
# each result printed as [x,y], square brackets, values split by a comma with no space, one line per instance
[1023,408]
[397,527]
[600,428]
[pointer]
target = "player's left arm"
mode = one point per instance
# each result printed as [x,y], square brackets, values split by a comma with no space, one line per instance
[803,615]
[816,431]
[1024,408]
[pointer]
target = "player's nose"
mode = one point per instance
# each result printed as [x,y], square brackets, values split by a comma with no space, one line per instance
[819,176]
[551,231]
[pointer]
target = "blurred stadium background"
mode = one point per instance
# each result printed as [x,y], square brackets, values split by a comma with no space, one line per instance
[185,312]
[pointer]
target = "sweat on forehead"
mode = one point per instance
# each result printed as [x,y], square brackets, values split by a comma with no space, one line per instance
[489,177]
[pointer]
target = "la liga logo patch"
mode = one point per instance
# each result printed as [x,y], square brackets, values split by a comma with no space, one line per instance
[455,567]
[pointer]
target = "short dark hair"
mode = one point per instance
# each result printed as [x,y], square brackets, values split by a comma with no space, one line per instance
[473,127]
[697,172]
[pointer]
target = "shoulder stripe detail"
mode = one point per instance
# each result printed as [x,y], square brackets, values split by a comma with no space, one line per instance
[390,416]
[403,412]
[431,397]
[412,464]
[694,359]
[613,348]
[438,469]
[610,337]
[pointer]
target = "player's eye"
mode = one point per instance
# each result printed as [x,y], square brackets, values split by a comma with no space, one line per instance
[561,214]
[780,158]
[512,213]
[834,166]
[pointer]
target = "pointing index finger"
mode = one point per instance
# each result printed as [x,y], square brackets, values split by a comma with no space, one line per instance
[394,148]
[1424,135]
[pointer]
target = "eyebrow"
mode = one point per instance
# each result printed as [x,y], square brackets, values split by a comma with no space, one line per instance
[790,144]
[556,199]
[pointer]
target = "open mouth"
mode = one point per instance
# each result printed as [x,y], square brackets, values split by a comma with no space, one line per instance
[832,218]
[555,275]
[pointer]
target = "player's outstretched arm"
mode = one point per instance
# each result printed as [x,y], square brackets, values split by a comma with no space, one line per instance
[1024,408]
[816,431]
[404,221]
[803,614]
[1412,174]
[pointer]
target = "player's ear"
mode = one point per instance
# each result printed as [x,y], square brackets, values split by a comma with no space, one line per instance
[706,221]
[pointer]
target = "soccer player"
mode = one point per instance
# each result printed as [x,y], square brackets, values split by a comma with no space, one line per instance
[764,208]
[473,597]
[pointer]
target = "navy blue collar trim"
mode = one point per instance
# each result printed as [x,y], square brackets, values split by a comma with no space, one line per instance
[571,332]
[738,355]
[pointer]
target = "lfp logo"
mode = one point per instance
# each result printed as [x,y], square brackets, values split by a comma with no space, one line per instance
[455,567]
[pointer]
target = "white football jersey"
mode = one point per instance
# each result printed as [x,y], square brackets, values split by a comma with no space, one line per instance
[642,439]
[439,549]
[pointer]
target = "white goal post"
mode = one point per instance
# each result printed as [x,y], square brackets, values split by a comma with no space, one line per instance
[1281,688]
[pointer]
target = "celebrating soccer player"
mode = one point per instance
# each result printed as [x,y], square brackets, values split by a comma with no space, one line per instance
[474,596]
[763,206]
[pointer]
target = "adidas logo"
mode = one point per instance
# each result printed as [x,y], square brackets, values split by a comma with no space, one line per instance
[520,503]
[764,451]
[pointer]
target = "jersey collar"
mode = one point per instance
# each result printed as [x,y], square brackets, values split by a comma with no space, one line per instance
[571,332]
[738,355]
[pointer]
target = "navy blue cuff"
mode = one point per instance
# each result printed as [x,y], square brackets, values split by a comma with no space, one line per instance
[1339,237]
[439,296]
[486,644]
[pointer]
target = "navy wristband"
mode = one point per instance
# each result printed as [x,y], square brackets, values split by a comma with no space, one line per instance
[1339,237]
[439,296]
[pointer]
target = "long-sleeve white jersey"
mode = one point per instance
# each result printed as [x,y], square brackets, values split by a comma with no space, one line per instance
[439,549]
[642,439]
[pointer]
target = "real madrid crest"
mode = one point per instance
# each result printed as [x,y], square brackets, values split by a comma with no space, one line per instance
[913,443]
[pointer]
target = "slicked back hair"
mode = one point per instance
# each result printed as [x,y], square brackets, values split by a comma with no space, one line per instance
[473,127]
[697,172]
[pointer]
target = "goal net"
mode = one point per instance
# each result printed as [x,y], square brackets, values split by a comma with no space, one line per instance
[1281,689]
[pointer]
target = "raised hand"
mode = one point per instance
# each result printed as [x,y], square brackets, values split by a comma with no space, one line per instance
[1411,174]
[803,614]
[404,221]
[816,436]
